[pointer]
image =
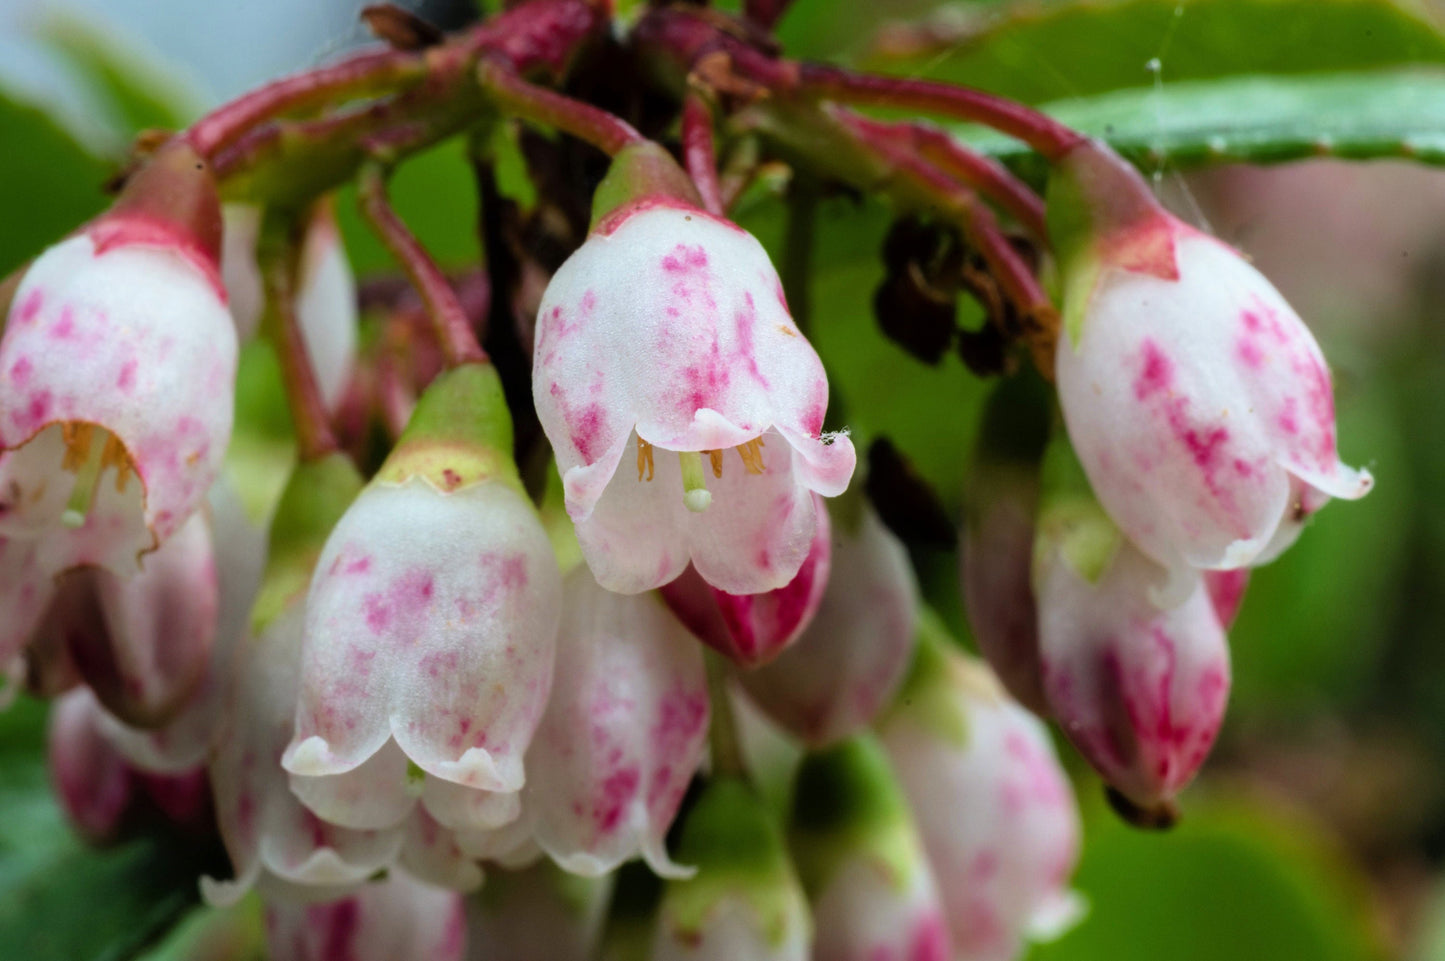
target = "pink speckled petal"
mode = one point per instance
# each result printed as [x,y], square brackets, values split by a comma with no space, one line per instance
[866,912]
[431,619]
[822,466]
[266,830]
[846,665]
[432,853]
[512,845]
[759,528]
[463,808]
[186,741]
[149,644]
[623,734]
[396,918]
[1140,691]
[635,539]
[1191,402]
[374,796]
[992,804]
[136,339]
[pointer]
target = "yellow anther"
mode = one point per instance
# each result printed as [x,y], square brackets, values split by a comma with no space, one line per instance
[114,455]
[715,458]
[77,439]
[752,455]
[85,459]
[644,459]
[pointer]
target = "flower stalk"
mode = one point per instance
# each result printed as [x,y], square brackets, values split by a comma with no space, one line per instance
[279,255]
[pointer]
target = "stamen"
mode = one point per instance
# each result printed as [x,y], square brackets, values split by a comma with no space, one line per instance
[114,455]
[694,485]
[86,462]
[715,456]
[644,459]
[752,455]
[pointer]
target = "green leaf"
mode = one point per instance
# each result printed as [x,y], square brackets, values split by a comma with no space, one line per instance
[1237,879]
[49,184]
[1036,51]
[1253,119]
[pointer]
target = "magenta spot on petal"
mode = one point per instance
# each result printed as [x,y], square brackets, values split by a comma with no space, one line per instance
[514,573]
[64,328]
[685,259]
[589,303]
[1250,353]
[359,566]
[30,308]
[618,790]
[1156,374]
[21,370]
[746,355]
[586,427]
[930,940]
[378,614]
[341,922]
[126,381]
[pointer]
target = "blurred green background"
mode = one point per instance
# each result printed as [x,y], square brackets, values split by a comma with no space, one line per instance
[1317,830]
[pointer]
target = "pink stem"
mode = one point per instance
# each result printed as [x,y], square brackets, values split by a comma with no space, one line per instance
[367,73]
[521,98]
[698,152]
[1046,135]
[453,329]
[985,175]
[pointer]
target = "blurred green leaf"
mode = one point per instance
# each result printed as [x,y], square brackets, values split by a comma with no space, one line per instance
[1236,879]
[1038,51]
[1253,119]
[49,184]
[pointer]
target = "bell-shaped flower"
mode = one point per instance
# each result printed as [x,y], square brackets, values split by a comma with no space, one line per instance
[1139,690]
[432,615]
[395,918]
[538,913]
[326,305]
[1198,401]
[433,853]
[117,371]
[848,662]
[862,862]
[667,332]
[752,629]
[273,840]
[143,643]
[745,901]
[993,806]
[624,731]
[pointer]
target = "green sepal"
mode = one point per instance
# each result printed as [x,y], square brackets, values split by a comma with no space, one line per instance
[314,499]
[459,434]
[1102,215]
[939,683]
[733,840]
[1071,520]
[847,805]
[641,172]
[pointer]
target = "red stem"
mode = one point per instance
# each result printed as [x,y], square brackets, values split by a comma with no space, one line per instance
[367,73]
[1046,135]
[453,329]
[698,152]
[987,176]
[517,96]
[314,437]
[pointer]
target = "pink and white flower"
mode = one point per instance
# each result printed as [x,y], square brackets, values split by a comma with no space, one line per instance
[399,917]
[1199,403]
[993,806]
[624,731]
[667,332]
[117,372]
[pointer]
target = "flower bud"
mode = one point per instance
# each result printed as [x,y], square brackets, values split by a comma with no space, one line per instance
[92,781]
[388,920]
[848,662]
[993,807]
[861,861]
[431,618]
[1140,690]
[117,369]
[623,734]
[668,331]
[1198,401]
[744,901]
[752,629]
